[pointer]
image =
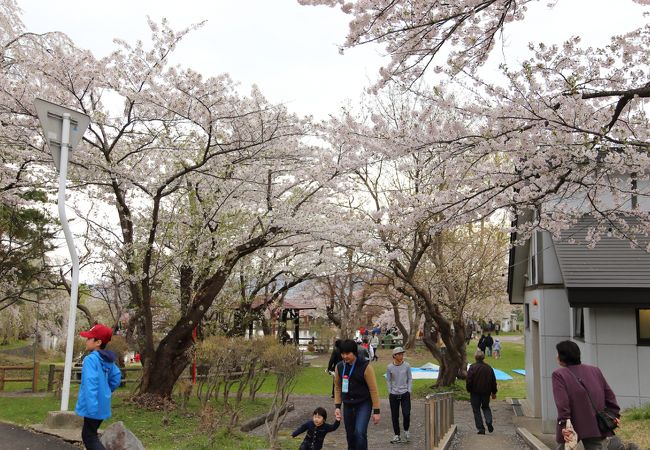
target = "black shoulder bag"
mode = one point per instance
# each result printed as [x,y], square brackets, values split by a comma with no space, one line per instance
[606,421]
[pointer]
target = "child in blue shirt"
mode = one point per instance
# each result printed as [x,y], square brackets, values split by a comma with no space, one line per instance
[316,430]
[99,378]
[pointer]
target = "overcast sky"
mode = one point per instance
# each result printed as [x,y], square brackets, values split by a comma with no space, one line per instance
[290,51]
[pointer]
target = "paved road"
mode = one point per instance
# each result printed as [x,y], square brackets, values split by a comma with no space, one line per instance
[13,437]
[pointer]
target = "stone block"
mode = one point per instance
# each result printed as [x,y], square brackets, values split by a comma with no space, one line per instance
[118,437]
[63,419]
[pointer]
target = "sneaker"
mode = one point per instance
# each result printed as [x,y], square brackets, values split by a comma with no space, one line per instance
[407,436]
[490,427]
[395,439]
[481,432]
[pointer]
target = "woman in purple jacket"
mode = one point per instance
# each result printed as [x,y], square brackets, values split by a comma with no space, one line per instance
[572,400]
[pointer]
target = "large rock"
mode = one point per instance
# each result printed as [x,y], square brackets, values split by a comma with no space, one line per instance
[117,437]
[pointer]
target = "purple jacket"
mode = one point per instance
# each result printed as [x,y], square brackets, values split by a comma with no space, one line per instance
[572,402]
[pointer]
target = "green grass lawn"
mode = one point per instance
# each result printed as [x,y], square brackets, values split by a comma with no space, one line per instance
[182,429]
[16,344]
[635,426]
[157,431]
[314,380]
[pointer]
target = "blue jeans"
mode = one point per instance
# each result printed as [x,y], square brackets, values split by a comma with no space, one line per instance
[356,418]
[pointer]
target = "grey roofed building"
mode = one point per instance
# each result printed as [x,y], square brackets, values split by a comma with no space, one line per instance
[598,296]
[615,272]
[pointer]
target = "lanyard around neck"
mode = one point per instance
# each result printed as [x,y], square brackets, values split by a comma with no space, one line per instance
[351,369]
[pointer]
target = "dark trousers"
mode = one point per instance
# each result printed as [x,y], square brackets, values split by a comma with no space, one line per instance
[403,400]
[89,434]
[481,402]
[356,419]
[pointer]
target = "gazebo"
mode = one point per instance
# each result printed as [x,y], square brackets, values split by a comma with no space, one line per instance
[290,310]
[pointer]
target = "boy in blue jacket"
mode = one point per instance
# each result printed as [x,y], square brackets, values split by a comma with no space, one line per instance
[99,378]
[316,430]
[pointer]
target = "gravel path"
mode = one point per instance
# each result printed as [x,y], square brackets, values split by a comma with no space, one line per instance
[503,438]
[378,435]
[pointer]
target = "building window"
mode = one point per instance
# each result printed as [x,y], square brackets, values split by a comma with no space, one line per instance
[643,326]
[527,316]
[578,323]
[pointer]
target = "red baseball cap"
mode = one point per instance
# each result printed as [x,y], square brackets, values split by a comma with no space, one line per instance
[99,331]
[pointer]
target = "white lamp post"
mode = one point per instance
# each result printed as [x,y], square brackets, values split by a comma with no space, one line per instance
[63,129]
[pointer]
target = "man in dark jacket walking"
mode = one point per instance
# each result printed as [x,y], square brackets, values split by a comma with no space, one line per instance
[481,384]
[335,358]
[489,342]
[482,342]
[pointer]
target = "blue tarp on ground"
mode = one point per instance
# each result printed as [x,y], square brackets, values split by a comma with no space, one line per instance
[429,371]
[501,375]
[519,371]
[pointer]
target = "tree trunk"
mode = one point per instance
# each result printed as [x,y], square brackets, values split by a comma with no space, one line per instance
[167,365]
[452,357]
[266,326]
[414,316]
[162,367]
[413,331]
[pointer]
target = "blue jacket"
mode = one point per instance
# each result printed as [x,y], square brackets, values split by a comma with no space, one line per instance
[99,378]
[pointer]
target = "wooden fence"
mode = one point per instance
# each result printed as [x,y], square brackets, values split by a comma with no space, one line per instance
[5,378]
[438,418]
[53,379]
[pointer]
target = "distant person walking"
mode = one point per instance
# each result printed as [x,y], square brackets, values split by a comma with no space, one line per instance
[496,349]
[374,345]
[400,385]
[482,343]
[335,358]
[356,391]
[580,391]
[489,342]
[481,384]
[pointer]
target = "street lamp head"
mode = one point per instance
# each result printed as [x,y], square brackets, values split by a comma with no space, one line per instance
[52,117]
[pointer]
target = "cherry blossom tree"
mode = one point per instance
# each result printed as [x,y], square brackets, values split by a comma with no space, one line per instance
[345,290]
[567,129]
[197,175]
[417,35]
[411,214]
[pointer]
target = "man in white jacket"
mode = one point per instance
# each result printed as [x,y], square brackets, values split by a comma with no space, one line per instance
[400,385]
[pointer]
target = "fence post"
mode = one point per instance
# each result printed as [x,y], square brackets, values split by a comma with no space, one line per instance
[35,377]
[438,419]
[432,420]
[50,378]
[428,444]
[2,379]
